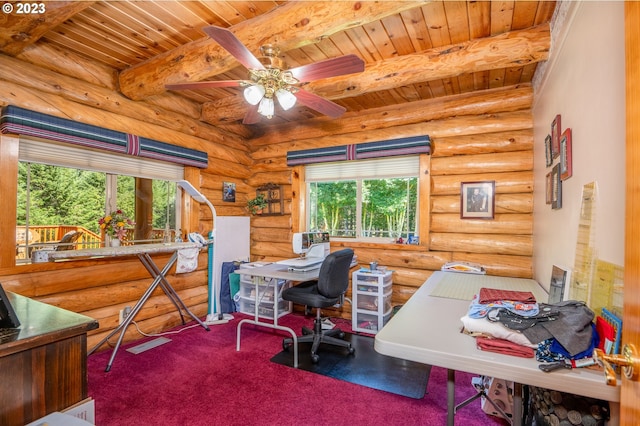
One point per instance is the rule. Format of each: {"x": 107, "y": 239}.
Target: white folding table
{"x": 427, "y": 329}
{"x": 274, "y": 272}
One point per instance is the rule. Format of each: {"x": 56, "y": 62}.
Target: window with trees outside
{"x": 64, "y": 189}
{"x": 368, "y": 200}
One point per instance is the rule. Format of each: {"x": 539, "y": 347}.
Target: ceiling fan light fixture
{"x": 254, "y": 93}
{"x": 266, "y": 107}
{"x": 286, "y": 99}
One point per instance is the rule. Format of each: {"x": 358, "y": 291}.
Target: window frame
{"x": 422, "y": 163}
{"x": 9, "y": 160}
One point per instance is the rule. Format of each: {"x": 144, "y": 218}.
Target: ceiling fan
{"x": 269, "y": 78}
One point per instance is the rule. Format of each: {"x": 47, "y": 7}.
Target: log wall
{"x": 71, "y": 87}
{"x": 493, "y": 143}
{"x": 475, "y": 137}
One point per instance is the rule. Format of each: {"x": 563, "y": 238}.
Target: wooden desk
{"x": 44, "y": 369}
{"x": 143, "y": 252}
{"x": 427, "y": 330}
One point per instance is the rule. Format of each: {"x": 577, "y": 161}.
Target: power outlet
{"x": 124, "y": 313}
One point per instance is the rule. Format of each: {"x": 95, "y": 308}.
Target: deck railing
{"x": 47, "y": 237}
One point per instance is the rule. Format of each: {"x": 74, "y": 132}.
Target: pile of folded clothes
{"x": 514, "y": 323}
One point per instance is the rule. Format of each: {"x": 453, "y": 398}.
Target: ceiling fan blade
{"x": 341, "y": 65}
{"x": 252, "y": 116}
{"x": 319, "y": 103}
{"x": 196, "y": 85}
{"x": 231, "y": 44}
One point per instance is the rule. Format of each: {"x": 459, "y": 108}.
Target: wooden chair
{"x": 68, "y": 241}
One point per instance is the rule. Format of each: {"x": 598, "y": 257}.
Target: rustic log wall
{"x": 75, "y": 88}
{"x": 492, "y": 141}
{"x": 475, "y": 136}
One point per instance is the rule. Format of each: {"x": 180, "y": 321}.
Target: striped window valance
{"x": 20, "y": 121}
{"x": 388, "y": 148}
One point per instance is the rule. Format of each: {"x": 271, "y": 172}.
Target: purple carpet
{"x": 198, "y": 378}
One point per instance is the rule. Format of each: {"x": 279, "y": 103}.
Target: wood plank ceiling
{"x": 413, "y": 50}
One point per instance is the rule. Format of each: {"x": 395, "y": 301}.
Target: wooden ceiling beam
{"x": 491, "y": 101}
{"x": 516, "y": 48}
{"x": 502, "y": 51}
{"x": 290, "y": 26}
{"x": 23, "y": 27}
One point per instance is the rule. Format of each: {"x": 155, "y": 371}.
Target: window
{"x": 369, "y": 200}
{"x": 64, "y": 188}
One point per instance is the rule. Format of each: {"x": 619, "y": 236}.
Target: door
{"x": 629, "y": 408}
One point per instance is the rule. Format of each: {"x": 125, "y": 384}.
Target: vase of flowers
{"x": 115, "y": 225}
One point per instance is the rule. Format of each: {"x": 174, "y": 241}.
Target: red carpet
{"x": 200, "y": 379}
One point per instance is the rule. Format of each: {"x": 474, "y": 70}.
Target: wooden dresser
{"x": 43, "y": 368}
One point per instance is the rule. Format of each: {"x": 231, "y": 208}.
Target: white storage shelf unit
{"x": 371, "y": 293}
{"x": 266, "y": 288}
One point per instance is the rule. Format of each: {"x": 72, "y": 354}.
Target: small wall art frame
{"x": 477, "y": 199}
{"x": 272, "y": 193}
{"x": 548, "y": 152}
{"x": 556, "y": 129}
{"x": 229, "y": 192}
{"x": 566, "y": 158}
{"x": 556, "y": 188}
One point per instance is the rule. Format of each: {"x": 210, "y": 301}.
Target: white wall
{"x": 584, "y": 82}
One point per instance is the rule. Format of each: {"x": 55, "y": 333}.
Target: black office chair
{"x": 328, "y": 290}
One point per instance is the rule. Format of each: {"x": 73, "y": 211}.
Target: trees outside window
{"x": 62, "y": 198}
{"x": 367, "y": 209}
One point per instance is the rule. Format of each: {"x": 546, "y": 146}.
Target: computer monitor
{"x": 311, "y": 243}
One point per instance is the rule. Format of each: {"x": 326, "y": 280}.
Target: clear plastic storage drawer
{"x": 371, "y": 302}
{"x": 265, "y": 310}
{"x": 265, "y": 289}
{"x": 367, "y": 322}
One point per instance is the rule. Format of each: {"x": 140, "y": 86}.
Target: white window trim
{"x": 379, "y": 168}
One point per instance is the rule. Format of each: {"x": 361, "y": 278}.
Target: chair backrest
{"x": 67, "y": 239}
{"x": 333, "y": 279}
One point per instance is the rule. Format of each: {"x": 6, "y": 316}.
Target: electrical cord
{"x": 111, "y": 344}
{"x": 166, "y": 333}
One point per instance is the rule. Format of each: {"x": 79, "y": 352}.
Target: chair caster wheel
{"x": 341, "y": 335}
{"x": 286, "y": 345}
{"x": 352, "y": 350}
{"x": 315, "y": 358}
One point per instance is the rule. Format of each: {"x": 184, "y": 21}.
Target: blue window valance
{"x": 388, "y": 148}
{"x": 30, "y": 123}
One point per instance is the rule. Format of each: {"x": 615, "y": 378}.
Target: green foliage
{"x": 64, "y": 196}
{"x": 61, "y": 196}
{"x": 388, "y": 207}
{"x": 164, "y": 204}
{"x": 334, "y": 207}
{"x": 255, "y": 205}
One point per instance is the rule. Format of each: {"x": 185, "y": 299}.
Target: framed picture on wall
{"x": 566, "y": 160}
{"x": 547, "y": 150}
{"x": 555, "y": 136}
{"x": 229, "y": 192}
{"x": 549, "y": 188}
{"x": 477, "y": 200}
{"x": 556, "y": 188}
